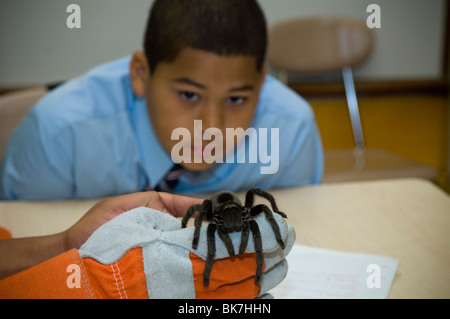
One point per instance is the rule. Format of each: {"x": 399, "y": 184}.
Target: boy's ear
{"x": 139, "y": 73}
{"x": 262, "y": 74}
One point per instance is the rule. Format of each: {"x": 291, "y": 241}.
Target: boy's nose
{"x": 212, "y": 117}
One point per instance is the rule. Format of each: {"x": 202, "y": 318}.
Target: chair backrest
{"x": 318, "y": 44}
{"x": 13, "y": 107}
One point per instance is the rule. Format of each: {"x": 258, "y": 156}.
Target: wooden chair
{"x": 317, "y": 45}
{"x": 13, "y": 107}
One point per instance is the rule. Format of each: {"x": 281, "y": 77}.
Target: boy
{"x": 110, "y": 131}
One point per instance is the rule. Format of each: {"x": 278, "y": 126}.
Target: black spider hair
{"x": 223, "y": 27}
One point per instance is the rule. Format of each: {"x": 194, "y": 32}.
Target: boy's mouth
{"x": 205, "y": 152}
{"x": 197, "y": 149}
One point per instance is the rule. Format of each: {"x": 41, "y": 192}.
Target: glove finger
{"x": 272, "y": 258}
{"x": 273, "y": 276}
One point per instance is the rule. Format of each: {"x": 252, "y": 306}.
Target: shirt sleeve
{"x": 300, "y": 146}
{"x": 31, "y": 167}
{"x": 302, "y": 155}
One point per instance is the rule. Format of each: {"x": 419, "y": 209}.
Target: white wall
{"x": 37, "y": 47}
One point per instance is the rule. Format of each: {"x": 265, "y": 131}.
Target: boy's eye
{"x": 189, "y": 96}
{"x": 236, "y": 100}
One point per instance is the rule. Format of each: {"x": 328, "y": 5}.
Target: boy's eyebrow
{"x": 185, "y": 80}
{"x": 245, "y": 87}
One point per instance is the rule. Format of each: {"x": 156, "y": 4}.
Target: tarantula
{"x": 225, "y": 213}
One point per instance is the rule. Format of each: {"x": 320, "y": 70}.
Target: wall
{"x": 37, "y": 47}
{"x": 414, "y": 127}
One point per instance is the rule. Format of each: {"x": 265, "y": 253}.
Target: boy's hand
{"x": 108, "y": 208}
{"x": 17, "y": 254}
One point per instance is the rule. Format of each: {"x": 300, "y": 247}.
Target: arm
{"x": 303, "y": 160}
{"x": 22, "y": 253}
{"x": 32, "y": 157}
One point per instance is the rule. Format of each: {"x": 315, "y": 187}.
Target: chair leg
{"x": 354, "y": 117}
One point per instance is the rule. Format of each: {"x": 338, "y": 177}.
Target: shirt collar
{"x": 155, "y": 160}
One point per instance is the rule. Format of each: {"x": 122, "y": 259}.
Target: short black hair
{"x": 223, "y": 27}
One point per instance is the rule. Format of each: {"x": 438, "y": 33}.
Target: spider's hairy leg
{"x": 269, "y": 215}
{"x": 227, "y": 242}
{"x": 258, "y": 249}
{"x": 191, "y": 210}
{"x": 211, "y": 241}
{"x": 244, "y": 239}
{"x": 267, "y": 196}
{"x": 249, "y": 197}
{"x": 198, "y": 225}
{"x": 205, "y": 207}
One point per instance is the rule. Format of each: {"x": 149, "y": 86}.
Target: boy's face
{"x": 221, "y": 91}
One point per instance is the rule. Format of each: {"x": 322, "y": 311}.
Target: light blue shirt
{"x": 91, "y": 137}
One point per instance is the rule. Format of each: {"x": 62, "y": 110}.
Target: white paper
{"x": 321, "y": 273}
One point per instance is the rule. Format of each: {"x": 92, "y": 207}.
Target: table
{"x": 407, "y": 219}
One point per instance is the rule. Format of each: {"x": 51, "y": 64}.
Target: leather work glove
{"x": 144, "y": 253}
